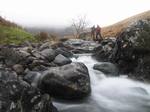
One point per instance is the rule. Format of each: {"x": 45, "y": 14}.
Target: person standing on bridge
{"x": 93, "y": 32}
{"x": 98, "y": 32}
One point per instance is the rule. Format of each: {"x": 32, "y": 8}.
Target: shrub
{"x": 144, "y": 42}
{"x": 1, "y": 33}
{"x": 148, "y": 19}
{"x": 42, "y": 36}
{"x": 53, "y": 35}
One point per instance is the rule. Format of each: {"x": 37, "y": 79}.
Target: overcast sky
{"x": 60, "y": 12}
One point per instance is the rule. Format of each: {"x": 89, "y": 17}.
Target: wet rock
{"x": 129, "y": 53}
{"x": 38, "y": 55}
{"x": 18, "y": 96}
{"x": 105, "y": 50}
{"x": 30, "y": 76}
{"x": 26, "y": 44}
{"x": 80, "y": 45}
{"x": 11, "y": 57}
{"x": 44, "y": 46}
{"x": 61, "y": 60}
{"x": 49, "y": 54}
{"x": 24, "y": 54}
{"x": 36, "y": 63}
{"x": 74, "y": 42}
{"x": 18, "y": 68}
{"x": 68, "y": 82}
{"x": 60, "y": 44}
{"x": 40, "y": 68}
{"x": 107, "y": 68}
{"x": 64, "y": 52}
{"x": 47, "y": 45}
{"x": 97, "y": 47}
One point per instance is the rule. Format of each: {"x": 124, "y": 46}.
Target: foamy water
{"x": 113, "y": 94}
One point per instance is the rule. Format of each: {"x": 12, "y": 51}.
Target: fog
{"x": 58, "y": 13}
{"x": 59, "y": 32}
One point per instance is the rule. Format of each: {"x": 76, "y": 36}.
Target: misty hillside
{"x": 114, "y": 29}
{"x": 59, "y": 32}
{"x": 13, "y": 33}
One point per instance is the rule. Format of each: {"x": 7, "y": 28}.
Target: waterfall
{"x": 109, "y": 94}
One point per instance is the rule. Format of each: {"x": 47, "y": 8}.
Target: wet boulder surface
{"x": 21, "y": 64}
{"x": 132, "y": 50}
{"x": 68, "y": 82}
{"x": 18, "y": 96}
{"x": 109, "y": 69}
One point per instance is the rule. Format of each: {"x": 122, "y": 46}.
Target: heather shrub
{"x": 1, "y": 33}
{"x": 53, "y": 35}
{"x": 143, "y": 45}
{"x": 42, "y": 36}
{"x": 148, "y": 19}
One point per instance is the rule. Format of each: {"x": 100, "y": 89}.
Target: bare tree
{"x": 78, "y": 25}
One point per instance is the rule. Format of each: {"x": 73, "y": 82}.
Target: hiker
{"x": 98, "y": 32}
{"x": 93, "y": 32}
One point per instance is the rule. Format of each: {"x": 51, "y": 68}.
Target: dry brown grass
{"x": 8, "y": 23}
{"x": 115, "y": 29}
{"x": 68, "y": 36}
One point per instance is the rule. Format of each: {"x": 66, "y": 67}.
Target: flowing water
{"x": 113, "y": 94}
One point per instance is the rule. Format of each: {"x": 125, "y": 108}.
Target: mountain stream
{"x": 109, "y": 94}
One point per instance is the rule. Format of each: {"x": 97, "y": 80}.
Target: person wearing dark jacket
{"x": 93, "y": 32}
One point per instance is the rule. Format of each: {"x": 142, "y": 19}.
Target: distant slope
{"x": 12, "y": 33}
{"x": 114, "y": 29}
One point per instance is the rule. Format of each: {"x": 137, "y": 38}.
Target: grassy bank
{"x": 14, "y": 35}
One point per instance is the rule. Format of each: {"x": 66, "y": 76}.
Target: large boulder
{"x": 11, "y": 57}
{"x": 18, "y": 96}
{"x": 132, "y": 50}
{"x": 107, "y": 68}
{"x": 105, "y": 50}
{"x": 80, "y": 45}
{"x": 69, "y": 81}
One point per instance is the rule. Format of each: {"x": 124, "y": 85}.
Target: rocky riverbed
{"x": 62, "y": 78}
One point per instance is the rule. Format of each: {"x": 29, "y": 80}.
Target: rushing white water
{"x": 113, "y": 94}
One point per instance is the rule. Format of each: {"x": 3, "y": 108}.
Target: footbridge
{"x": 65, "y": 39}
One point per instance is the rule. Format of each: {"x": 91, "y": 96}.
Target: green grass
{"x": 14, "y": 35}
{"x": 143, "y": 45}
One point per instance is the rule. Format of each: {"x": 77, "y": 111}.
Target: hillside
{"x": 12, "y": 33}
{"x": 114, "y": 29}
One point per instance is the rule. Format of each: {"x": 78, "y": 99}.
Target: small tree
{"x": 78, "y": 25}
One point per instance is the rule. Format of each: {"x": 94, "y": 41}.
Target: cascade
{"x": 109, "y": 94}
